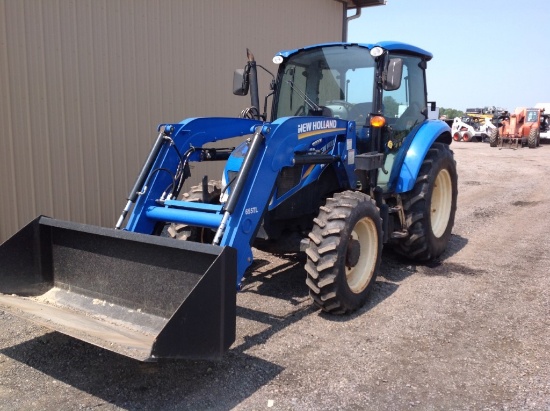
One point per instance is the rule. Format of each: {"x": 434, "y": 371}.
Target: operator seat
{"x": 323, "y": 112}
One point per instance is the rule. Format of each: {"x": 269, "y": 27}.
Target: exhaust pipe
{"x": 253, "y": 78}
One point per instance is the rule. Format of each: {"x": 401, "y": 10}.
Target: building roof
{"x": 352, "y": 4}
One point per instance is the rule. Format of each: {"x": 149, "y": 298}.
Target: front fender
{"x": 412, "y": 157}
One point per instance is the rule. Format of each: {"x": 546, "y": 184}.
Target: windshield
{"x": 532, "y": 116}
{"x": 338, "y": 81}
{"x": 337, "y": 78}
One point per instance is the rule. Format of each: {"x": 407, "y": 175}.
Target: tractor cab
{"x": 380, "y": 87}
{"x": 532, "y": 115}
{"x": 353, "y": 82}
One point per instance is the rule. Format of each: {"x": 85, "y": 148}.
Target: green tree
{"x": 450, "y": 112}
{"x": 391, "y": 108}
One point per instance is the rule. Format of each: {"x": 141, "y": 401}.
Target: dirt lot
{"x": 469, "y": 332}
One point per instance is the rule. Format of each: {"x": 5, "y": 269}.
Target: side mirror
{"x": 394, "y": 71}
{"x": 240, "y": 82}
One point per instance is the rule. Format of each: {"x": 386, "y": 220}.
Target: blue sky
{"x": 486, "y": 52}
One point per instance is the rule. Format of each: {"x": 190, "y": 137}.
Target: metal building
{"x": 83, "y": 84}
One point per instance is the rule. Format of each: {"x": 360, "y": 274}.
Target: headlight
{"x": 376, "y": 51}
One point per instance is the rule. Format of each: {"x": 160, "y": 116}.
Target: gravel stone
{"x": 470, "y": 331}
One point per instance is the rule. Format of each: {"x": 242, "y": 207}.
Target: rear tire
{"x": 493, "y": 137}
{"x": 532, "y": 141}
{"x": 456, "y": 136}
{"x": 191, "y": 233}
{"x": 430, "y": 206}
{"x": 344, "y": 253}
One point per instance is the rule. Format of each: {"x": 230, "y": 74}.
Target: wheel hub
{"x": 441, "y": 203}
{"x": 353, "y": 252}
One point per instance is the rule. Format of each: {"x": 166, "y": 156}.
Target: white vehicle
{"x": 471, "y": 128}
{"x": 544, "y": 121}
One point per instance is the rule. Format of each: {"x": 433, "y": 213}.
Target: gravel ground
{"x": 468, "y": 332}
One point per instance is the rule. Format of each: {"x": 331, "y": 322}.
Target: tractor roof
{"x": 394, "y": 46}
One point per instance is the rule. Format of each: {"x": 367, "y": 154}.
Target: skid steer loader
{"x": 336, "y": 167}
{"x": 472, "y": 128}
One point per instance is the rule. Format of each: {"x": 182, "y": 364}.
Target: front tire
{"x": 533, "y": 138}
{"x": 430, "y": 206}
{"x": 186, "y": 232}
{"x": 493, "y": 137}
{"x": 344, "y": 253}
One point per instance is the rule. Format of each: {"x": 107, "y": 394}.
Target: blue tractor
{"x": 347, "y": 162}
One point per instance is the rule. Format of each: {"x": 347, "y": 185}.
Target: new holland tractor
{"x": 338, "y": 171}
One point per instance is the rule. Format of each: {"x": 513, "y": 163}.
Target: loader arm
{"x": 283, "y": 143}
{"x": 188, "y": 135}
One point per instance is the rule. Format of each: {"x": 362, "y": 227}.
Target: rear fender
{"x": 411, "y": 155}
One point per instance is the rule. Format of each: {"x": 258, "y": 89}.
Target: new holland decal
{"x": 312, "y": 128}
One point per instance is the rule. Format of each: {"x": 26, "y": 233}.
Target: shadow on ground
{"x": 130, "y": 384}
{"x": 127, "y": 383}
{"x": 396, "y": 268}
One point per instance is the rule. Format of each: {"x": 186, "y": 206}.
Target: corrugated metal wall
{"x": 83, "y": 84}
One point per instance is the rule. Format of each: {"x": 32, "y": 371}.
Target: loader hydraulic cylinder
{"x": 255, "y": 146}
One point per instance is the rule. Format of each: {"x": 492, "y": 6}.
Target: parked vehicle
{"x": 472, "y": 128}
{"x": 335, "y": 167}
{"x": 518, "y": 129}
{"x": 544, "y": 121}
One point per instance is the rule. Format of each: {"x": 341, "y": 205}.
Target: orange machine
{"x": 520, "y": 128}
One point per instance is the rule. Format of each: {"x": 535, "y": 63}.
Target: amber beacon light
{"x": 377, "y": 121}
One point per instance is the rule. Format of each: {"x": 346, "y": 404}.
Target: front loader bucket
{"x": 142, "y": 296}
